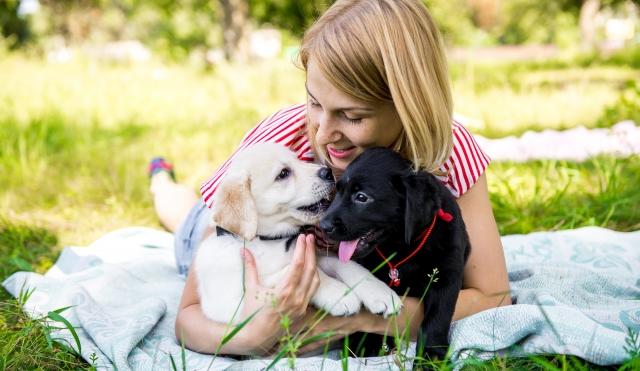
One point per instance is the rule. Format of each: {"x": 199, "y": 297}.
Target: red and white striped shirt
{"x": 287, "y": 127}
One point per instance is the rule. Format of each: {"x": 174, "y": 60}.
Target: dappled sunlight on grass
{"x": 554, "y": 195}
{"x": 510, "y": 100}
{"x": 156, "y": 95}
{"x": 538, "y": 108}
{"x": 77, "y": 137}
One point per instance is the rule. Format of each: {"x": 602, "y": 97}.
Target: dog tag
{"x": 395, "y": 277}
{"x": 385, "y": 348}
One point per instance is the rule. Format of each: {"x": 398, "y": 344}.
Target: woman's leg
{"x": 172, "y": 200}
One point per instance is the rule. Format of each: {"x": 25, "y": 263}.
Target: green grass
{"x": 24, "y": 341}
{"x": 75, "y": 140}
{"x": 554, "y": 195}
{"x": 511, "y": 100}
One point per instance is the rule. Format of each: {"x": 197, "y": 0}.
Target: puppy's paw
{"x": 378, "y": 298}
{"x": 347, "y": 305}
{"x": 337, "y": 299}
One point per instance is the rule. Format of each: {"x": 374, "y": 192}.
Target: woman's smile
{"x": 341, "y": 153}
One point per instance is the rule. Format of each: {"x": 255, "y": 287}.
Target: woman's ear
{"x": 234, "y": 208}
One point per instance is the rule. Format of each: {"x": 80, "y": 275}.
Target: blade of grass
{"x": 173, "y": 363}
{"x": 58, "y": 318}
{"x": 238, "y": 327}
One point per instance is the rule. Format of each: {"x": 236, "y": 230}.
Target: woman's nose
{"x": 327, "y": 132}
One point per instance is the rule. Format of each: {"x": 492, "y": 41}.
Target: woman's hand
{"x": 264, "y": 330}
{"x": 290, "y": 298}
{"x": 408, "y": 320}
{"x": 335, "y": 328}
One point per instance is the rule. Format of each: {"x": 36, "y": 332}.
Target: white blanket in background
{"x": 578, "y": 144}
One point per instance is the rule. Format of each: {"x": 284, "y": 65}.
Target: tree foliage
{"x": 292, "y": 15}
{"x": 177, "y": 27}
{"x": 12, "y": 27}
{"x": 171, "y": 27}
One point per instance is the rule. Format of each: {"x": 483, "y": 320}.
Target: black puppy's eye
{"x": 284, "y": 173}
{"x": 360, "y": 197}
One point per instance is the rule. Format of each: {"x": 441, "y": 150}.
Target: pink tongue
{"x": 346, "y": 250}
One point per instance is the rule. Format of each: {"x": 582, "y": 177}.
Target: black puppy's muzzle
{"x": 332, "y": 227}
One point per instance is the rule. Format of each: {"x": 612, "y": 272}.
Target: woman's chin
{"x": 338, "y": 165}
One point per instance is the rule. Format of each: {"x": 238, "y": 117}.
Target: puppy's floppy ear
{"x": 422, "y": 201}
{"x": 234, "y": 208}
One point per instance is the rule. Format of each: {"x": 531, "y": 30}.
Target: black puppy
{"x": 383, "y": 207}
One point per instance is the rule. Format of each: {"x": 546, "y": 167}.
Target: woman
{"x": 376, "y": 76}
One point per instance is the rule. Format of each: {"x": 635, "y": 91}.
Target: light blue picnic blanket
{"x": 577, "y": 292}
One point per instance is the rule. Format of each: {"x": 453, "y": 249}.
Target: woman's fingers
{"x": 310, "y": 278}
{"x": 307, "y": 285}
{"x": 320, "y": 343}
{"x": 258, "y": 295}
{"x": 251, "y": 277}
{"x": 298, "y": 261}
{"x": 333, "y": 328}
{"x": 305, "y": 322}
{"x": 296, "y": 290}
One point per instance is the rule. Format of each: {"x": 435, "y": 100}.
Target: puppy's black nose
{"x": 329, "y": 226}
{"x": 326, "y": 174}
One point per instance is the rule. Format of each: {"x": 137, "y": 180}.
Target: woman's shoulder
{"x": 466, "y": 163}
{"x": 286, "y": 127}
{"x": 287, "y": 116}
{"x": 280, "y": 127}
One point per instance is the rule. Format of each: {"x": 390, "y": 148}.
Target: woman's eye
{"x": 284, "y": 173}
{"x": 361, "y": 197}
{"x": 353, "y": 121}
{"x": 313, "y": 103}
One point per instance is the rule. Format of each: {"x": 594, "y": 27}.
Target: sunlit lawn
{"x": 76, "y": 137}
{"x": 75, "y": 140}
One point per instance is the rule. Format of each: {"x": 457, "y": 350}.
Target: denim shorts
{"x": 189, "y": 235}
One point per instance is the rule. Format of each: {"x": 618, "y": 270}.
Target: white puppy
{"x": 265, "y": 199}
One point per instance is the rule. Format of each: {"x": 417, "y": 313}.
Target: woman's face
{"x": 344, "y": 127}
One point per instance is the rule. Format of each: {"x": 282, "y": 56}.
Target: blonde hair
{"x": 380, "y": 51}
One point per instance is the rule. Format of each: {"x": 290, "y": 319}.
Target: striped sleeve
{"x": 466, "y": 164}
{"x": 286, "y": 127}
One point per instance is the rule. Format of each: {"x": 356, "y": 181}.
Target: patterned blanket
{"x": 577, "y": 292}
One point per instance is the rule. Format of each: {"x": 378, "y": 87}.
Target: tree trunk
{"x": 588, "y": 12}
{"x": 235, "y": 29}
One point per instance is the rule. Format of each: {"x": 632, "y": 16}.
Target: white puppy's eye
{"x": 360, "y": 197}
{"x": 284, "y": 174}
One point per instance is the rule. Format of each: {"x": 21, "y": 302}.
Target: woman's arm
{"x": 202, "y": 335}
{"x": 486, "y": 284}
{"x": 408, "y": 320}
{"x": 292, "y": 296}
